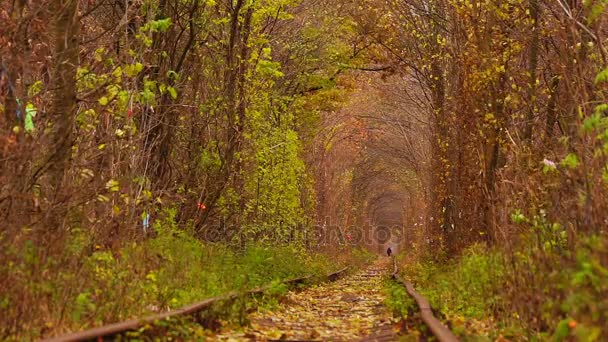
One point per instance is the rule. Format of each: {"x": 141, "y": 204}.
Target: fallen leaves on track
{"x": 349, "y": 309}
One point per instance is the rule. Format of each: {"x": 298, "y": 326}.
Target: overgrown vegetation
{"x": 398, "y": 300}
{"x": 161, "y": 273}
{"x": 568, "y": 299}
{"x": 455, "y": 288}
{"x": 466, "y": 292}
{"x": 477, "y": 293}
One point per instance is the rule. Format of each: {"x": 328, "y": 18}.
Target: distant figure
{"x": 389, "y": 251}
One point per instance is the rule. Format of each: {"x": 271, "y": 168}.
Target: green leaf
{"x": 602, "y": 76}
{"x": 596, "y": 11}
{"x": 570, "y": 161}
{"x": 172, "y": 75}
{"x": 591, "y": 122}
{"x": 117, "y": 73}
{"x": 601, "y": 108}
{"x": 83, "y": 303}
{"x": 561, "y": 331}
{"x": 99, "y": 54}
{"x": 30, "y": 113}
{"x": 161, "y": 25}
{"x": 113, "y": 185}
{"x": 134, "y": 69}
{"x": 172, "y": 92}
{"x": 587, "y": 333}
{"x": 517, "y": 217}
{"x": 34, "y": 89}
{"x": 104, "y": 101}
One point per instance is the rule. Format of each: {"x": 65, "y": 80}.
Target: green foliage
{"x": 570, "y": 161}
{"x": 454, "y": 288}
{"x": 465, "y": 291}
{"x": 398, "y": 300}
{"x": 34, "y": 89}
{"x": 602, "y": 76}
{"x": 517, "y": 217}
{"x": 593, "y": 122}
{"x": 597, "y": 8}
{"x": 160, "y": 25}
{"x": 541, "y": 233}
{"x": 585, "y": 285}
{"x": 30, "y": 113}
{"x": 574, "y": 305}
{"x": 473, "y": 288}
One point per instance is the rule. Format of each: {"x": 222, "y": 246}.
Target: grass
{"x": 464, "y": 292}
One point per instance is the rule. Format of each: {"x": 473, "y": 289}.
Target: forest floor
{"x": 349, "y": 309}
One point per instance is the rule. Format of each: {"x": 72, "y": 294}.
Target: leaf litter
{"x": 348, "y": 309}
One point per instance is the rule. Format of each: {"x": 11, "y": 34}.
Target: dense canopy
{"x": 148, "y": 144}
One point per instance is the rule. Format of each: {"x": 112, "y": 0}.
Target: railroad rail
{"x": 440, "y": 331}
{"x": 98, "y": 333}
{"x": 337, "y": 274}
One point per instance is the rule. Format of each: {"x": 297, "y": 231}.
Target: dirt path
{"x": 349, "y": 309}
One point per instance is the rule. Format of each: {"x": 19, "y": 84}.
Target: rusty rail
{"x": 336, "y": 275}
{"x": 134, "y": 324}
{"x": 440, "y": 331}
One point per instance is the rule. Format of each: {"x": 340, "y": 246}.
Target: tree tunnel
{"x": 371, "y": 167}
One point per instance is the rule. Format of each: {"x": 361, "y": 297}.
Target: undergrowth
{"x": 486, "y": 294}
{"x": 403, "y": 307}
{"x": 572, "y": 285}
{"x": 464, "y": 292}
{"x": 89, "y": 285}
{"x": 398, "y": 300}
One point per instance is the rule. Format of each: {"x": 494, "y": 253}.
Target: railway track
{"x": 112, "y": 330}
{"x": 346, "y": 303}
{"x": 437, "y": 328}
{"x": 349, "y": 309}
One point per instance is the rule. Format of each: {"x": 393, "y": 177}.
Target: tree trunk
{"x": 532, "y": 64}
{"x": 234, "y": 93}
{"x": 63, "y": 106}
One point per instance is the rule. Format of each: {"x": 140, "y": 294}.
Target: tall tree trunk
{"x": 161, "y": 136}
{"x": 234, "y": 93}
{"x": 438, "y": 85}
{"x": 63, "y": 84}
{"x": 63, "y": 106}
{"x": 10, "y": 103}
{"x": 492, "y": 163}
{"x": 552, "y": 108}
